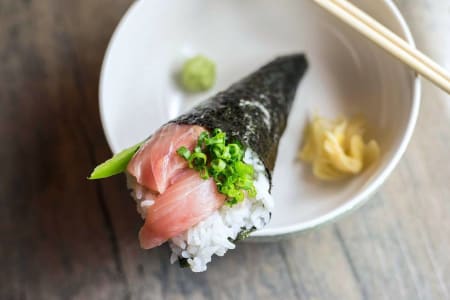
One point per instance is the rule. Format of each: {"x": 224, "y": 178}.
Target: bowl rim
{"x": 354, "y": 202}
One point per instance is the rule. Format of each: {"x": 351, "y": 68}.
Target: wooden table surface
{"x": 62, "y": 237}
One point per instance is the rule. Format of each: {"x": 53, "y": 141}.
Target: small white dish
{"x": 348, "y": 75}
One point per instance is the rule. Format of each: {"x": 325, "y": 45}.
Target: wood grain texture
{"x": 62, "y": 237}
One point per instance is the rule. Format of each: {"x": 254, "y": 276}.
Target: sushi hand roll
{"x": 203, "y": 180}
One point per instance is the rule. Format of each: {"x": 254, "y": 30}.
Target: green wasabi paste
{"x": 198, "y": 74}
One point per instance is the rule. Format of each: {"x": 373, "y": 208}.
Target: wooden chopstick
{"x": 387, "y": 40}
{"x": 356, "y": 12}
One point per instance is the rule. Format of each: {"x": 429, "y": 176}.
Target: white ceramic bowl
{"x": 348, "y": 75}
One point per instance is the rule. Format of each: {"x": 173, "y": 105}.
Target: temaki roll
{"x": 203, "y": 180}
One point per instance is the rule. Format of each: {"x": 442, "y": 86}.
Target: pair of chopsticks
{"x": 387, "y": 40}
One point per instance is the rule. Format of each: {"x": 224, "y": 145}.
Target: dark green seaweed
{"x": 183, "y": 262}
{"x": 254, "y": 110}
{"x": 244, "y": 234}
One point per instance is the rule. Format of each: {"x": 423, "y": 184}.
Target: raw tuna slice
{"x": 188, "y": 201}
{"x": 157, "y": 161}
{"x": 180, "y": 197}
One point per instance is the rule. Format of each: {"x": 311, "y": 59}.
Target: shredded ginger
{"x": 336, "y": 148}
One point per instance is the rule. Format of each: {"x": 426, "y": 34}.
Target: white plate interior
{"x": 348, "y": 75}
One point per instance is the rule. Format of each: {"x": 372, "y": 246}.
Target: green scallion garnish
{"x": 184, "y": 152}
{"x": 214, "y": 157}
{"x": 115, "y": 165}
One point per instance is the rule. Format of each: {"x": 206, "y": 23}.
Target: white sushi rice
{"x": 214, "y": 235}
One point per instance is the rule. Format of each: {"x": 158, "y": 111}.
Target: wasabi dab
{"x": 198, "y": 74}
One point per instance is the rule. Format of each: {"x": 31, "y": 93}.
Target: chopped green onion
{"x": 184, "y": 152}
{"x": 197, "y": 160}
{"x": 217, "y": 138}
{"x": 213, "y": 157}
{"x": 198, "y": 149}
{"x": 204, "y": 173}
{"x": 218, "y": 165}
{"x": 235, "y": 151}
{"x": 243, "y": 168}
{"x": 201, "y": 139}
{"x": 252, "y": 192}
